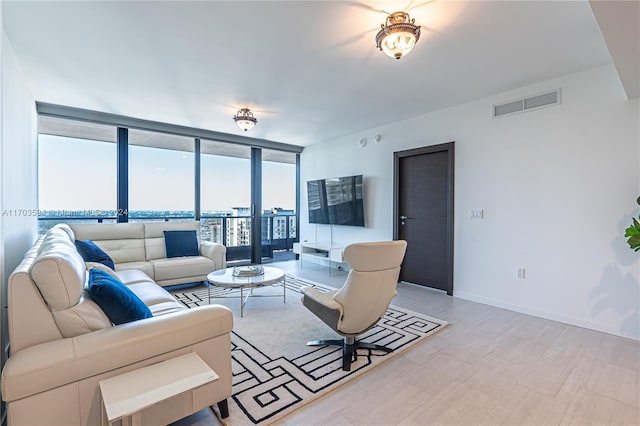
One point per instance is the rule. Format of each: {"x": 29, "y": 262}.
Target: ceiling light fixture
{"x": 244, "y": 119}
{"x": 398, "y": 35}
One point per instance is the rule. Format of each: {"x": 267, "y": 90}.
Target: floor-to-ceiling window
{"x": 76, "y": 172}
{"x": 225, "y": 199}
{"x": 161, "y": 183}
{"x": 279, "y": 198}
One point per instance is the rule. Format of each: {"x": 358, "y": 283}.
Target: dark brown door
{"x": 423, "y": 214}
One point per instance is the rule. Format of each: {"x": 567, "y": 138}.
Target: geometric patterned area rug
{"x": 274, "y": 371}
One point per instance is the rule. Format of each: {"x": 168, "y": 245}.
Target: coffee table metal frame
{"x": 224, "y": 278}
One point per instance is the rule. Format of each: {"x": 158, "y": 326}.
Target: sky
{"x": 77, "y": 174}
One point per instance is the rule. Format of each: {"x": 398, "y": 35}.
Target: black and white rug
{"x": 274, "y": 371}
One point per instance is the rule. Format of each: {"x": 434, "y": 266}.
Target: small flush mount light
{"x": 398, "y": 35}
{"x": 244, "y": 119}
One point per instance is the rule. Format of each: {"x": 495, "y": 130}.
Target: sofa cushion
{"x": 181, "y": 243}
{"x": 126, "y": 250}
{"x": 59, "y": 273}
{"x": 151, "y": 293}
{"x": 132, "y": 276}
{"x": 168, "y": 307}
{"x": 90, "y": 252}
{"x": 124, "y": 242}
{"x": 66, "y": 229}
{"x": 119, "y": 303}
{"x": 180, "y": 267}
{"x": 84, "y": 317}
{"x": 146, "y": 267}
{"x": 107, "y": 231}
{"x": 58, "y": 236}
{"x": 159, "y": 300}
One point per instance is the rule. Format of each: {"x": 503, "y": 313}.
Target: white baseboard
{"x": 579, "y": 322}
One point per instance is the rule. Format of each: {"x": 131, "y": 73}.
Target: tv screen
{"x": 336, "y": 201}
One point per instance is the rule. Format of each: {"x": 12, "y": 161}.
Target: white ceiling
{"x": 309, "y": 69}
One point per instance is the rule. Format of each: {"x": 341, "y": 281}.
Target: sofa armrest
{"x": 59, "y": 362}
{"x": 216, "y": 252}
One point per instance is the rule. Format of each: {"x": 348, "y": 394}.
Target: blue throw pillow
{"x": 119, "y": 303}
{"x": 90, "y": 252}
{"x": 181, "y": 243}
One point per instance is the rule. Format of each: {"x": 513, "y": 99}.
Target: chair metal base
{"x": 350, "y": 348}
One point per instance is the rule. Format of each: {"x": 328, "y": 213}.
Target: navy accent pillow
{"x": 90, "y": 252}
{"x": 181, "y": 243}
{"x": 120, "y": 304}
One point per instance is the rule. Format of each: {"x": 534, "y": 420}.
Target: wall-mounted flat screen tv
{"x": 336, "y": 201}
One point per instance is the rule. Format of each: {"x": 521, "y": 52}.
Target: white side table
{"x": 124, "y": 397}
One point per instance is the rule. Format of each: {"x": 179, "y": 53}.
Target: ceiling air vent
{"x": 526, "y": 104}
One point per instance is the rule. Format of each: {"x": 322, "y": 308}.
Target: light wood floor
{"x": 490, "y": 366}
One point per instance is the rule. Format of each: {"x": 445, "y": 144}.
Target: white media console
{"x": 330, "y": 255}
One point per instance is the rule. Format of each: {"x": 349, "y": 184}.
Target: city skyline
{"x": 112, "y": 213}
{"x": 230, "y": 230}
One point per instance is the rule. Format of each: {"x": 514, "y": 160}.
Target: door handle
{"x": 404, "y": 217}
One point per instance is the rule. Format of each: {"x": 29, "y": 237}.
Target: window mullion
{"x": 122, "y": 212}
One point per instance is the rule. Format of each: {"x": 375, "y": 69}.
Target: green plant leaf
{"x": 633, "y": 232}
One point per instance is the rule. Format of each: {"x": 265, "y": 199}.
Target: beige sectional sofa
{"x": 141, "y": 246}
{"x": 62, "y": 343}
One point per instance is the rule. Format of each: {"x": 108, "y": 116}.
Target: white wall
{"x": 558, "y": 186}
{"x": 3, "y": 295}
{"x": 2, "y": 282}
{"x": 18, "y": 170}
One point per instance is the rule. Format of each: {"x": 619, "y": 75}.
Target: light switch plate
{"x": 521, "y": 273}
{"x": 476, "y": 214}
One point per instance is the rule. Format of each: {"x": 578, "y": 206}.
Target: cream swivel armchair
{"x": 362, "y": 300}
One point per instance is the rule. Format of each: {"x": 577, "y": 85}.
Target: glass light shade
{"x": 398, "y": 35}
{"x": 396, "y": 45}
{"x": 245, "y": 124}
{"x": 244, "y": 119}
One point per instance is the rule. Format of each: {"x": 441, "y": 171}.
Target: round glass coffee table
{"x": 224, "y": 278}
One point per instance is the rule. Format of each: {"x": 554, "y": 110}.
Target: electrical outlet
{"x": 521, "y": 273}
{"x": 476, "y": 214}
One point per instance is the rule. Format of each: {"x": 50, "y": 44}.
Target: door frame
{"x": 449, "y": 148}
